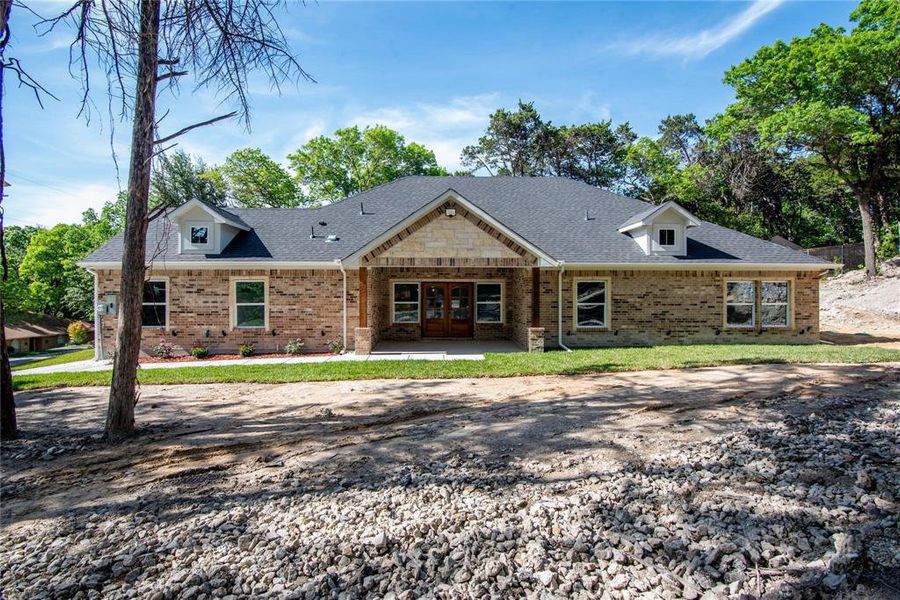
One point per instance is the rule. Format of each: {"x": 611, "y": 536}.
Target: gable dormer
{"x": 205, "y": 229}
{"x": 661, "y": 230}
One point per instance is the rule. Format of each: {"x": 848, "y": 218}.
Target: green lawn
{"x": 61, "y": 358}
{"x": 495, "y": 365}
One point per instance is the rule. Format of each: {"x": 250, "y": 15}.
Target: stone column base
{"x": 363, "y": 339}
{"x": 535, "y": 339}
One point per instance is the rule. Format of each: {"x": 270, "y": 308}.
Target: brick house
{"x": 544, "y": 262}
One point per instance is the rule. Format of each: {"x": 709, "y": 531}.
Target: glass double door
{"x": 448, "y": 310}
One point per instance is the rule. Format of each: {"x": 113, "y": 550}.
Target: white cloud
{"x": 704, "y": 42}
{"x": 444, "y": 128}
{"x": 53, "y": 202}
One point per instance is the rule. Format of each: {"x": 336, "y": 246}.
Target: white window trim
{"x": 789, "y": 304}
{"x": 394, "y": 321}
{"x": 674, "y": 243}
{"x": 726, "y": 304}
{"x": 233, "y": 302}
{"x": 166, "y": 303}
{"x": 606, "y": 307}
{"x": 210, "y": 236}
{"x": 191, "y": 229}
{"x": 475, "y": 302}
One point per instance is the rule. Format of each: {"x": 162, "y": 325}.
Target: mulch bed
{"x": 188, "y": 358}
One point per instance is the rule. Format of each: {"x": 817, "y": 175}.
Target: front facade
{"x": 540, "y": 261}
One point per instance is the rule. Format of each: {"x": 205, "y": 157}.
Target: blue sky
{"x": 434, "y": 71}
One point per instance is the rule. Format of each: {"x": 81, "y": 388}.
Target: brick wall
{"x": 304, "y": 304}
{"x": 647, "y": 307}
{"x": 674, "y": 307}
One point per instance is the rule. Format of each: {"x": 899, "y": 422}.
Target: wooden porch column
{"x": 535, "y": 297}
{"x": 363, "y": 297}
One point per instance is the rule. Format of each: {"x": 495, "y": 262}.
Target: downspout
{"x": 344, "y": 333}
{"x": 98, "y": 318}
{"x": 559, "y": 330}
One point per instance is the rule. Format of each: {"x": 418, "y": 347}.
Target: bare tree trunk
{"x": 8, "y": 428}
{"x": 868, "y": 224}
{"x": 123, "y": 392}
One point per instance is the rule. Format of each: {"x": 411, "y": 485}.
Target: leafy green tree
{"x": 253, "y": 180}
{"x": 56, "y": 284}
{"x": 510, "y": 146}
{"x": 354, "y": 159}
{"x": 16, "y": 295}
{"x": 521, "y": 143}
{"x": 835, "y": 95}
{"x": 179, "y": 177}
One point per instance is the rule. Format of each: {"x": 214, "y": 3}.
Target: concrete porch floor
{"x": 437, "y": 349}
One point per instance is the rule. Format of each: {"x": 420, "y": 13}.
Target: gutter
{"x": 98, "y": 333}
{"x": 344, "y": 296}
{"x": 559, "y": 330}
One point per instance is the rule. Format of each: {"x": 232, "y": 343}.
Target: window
{"x": 489, "y": 302}
{"x": 406, "y": 303}
{"x": 740, "y": 304}
{"x": 154, "y": 304}
{"x": 250, "y": 304}
{"x": 591, "y": 304}
{"x": 776, "y": 304}
{"x": 666, "y": 237}
{"x": 199, "y": 236}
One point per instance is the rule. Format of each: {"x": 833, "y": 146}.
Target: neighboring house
{"x": 30, "y": 332}
{"x": 541, "y": 261}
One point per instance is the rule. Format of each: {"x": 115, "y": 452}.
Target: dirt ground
{"x": 859, "y": 311}
{"x": 340, "y": 431}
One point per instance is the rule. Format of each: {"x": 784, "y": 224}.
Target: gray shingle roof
{"x": 547, "y": 212}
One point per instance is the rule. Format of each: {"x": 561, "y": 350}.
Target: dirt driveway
{"x": 238, "y": 444}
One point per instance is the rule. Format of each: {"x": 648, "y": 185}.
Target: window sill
{"x": 585, "y": 328}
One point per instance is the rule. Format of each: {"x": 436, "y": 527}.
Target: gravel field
{"x": 764, "y": 481}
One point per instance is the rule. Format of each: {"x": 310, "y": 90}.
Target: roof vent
{"x": 587, "y": 216}
{"x": 362, "y": 210}
{"x": 332, "y": 238}
{"x": 323, "y": 223}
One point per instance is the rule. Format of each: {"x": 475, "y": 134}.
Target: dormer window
{"x": 666, "y": 237}
{"x": 199, "y": 236}
{"x": 661, "y": 230}
{"x": 205, "y": 229}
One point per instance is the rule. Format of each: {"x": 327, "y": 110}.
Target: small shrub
{"x": 200, "y": 351}
{"x": 294, "y": 346}
{"x": 164, "y": 349}
{"x": 335, "y": 346}
{"x": 78, "y": 333}
{"x": 246, "y": 349}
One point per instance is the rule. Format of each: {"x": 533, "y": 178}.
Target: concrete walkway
{"x": 420, "y": 350}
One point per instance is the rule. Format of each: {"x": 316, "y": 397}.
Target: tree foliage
{"x": 520, "y": 142}
{"x": 836, "y": 95}
{"x": 179, "y": 177}
{"x": 253, "y": 180}
{"x": 354, "y": 159}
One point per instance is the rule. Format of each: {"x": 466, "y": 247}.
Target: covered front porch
{"x": 449, "y": 273}
{"x": 453, "y": 312}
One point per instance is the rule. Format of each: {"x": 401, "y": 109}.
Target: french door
{"x": 448, "y": 310}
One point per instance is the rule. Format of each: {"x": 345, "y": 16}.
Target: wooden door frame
{"x": 448, "y": 307}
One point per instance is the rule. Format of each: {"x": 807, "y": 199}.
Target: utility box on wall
{"x": 109, "y": 305}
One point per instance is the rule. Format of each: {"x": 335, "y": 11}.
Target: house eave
{"x": 183, "y": 265}
{"x": 704, "y": 266}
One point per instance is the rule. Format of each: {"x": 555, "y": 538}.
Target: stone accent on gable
{"x": 437, "y": 240}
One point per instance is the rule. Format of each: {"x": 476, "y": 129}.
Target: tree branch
{"x": 170, "y": 74}
{"x": 183, "y": 131}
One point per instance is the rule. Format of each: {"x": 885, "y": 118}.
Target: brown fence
{"x": 851, "y": 255}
